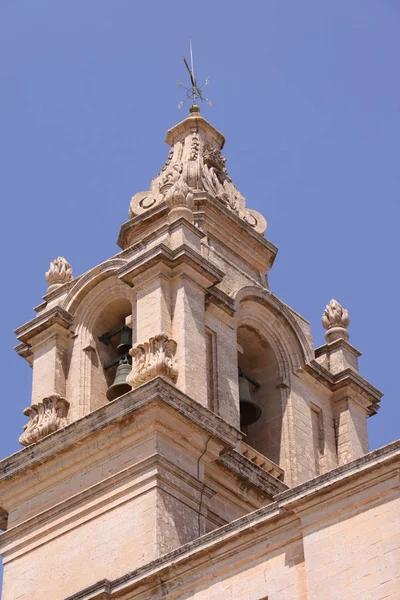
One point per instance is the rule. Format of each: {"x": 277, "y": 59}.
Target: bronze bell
{"x": 120, "y": 387}
{"x": 250, "y": 412}
{"x": 126, "y": 341}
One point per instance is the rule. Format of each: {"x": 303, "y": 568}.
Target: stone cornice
{"x": 340, "y": 343}
{"x": 220, "y": 299}
{"x": 25, "y": 351}
{"x": 139, "y": 223}
{"x": 184, "y": 255}
{"x": 346, "y": 379}
{"x": 256, "y": 475}
{"x": 196, "y": 122}
{"x": 171, "y": 565}
{"x": 74, "y": 433}
{"x": 56, "y": 315}
{"x": 155, "y": 470}
{"x": 204, "y": 201}
{"x": 343, "y": 474}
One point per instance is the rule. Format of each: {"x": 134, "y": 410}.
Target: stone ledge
{"x": 158, "y": 388}
{"x": 348, "y": 377}
{"x": 255, "y": 474}
{"x": 220, "y": 299}
{"x": 47, "y": 523}
{"x": 169, "y": 565}
{"x": 357, "y": 467}
{"x": 172, "y": 259}
{"x": 334, "y": 345}
{"x": 261, "y": 461}
{"x": 32, "y": 328}
{"x": 124, "y": 240}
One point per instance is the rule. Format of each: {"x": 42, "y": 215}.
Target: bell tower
{"x": 172, "y": 391}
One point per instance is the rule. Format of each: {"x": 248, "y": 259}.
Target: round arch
{"x": 263, "y": 312}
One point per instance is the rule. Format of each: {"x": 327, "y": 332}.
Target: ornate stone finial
{"x": 45, "y": 417}
{"x": 335, "y": 320}
{"x": 179, "y": 199}
{"x": 195, "y": 160}
{"x": 153, "y": 358}
{"x": 60, "y": 272}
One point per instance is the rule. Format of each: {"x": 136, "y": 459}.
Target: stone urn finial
{"x": 336, "y": 321}
{"x": 60, "y": 272}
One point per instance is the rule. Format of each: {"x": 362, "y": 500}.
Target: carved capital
{"x": 45, "y": 417}
{"x": 153, "y": 358}
{"x": 60, "y": 272}
{"x": 335, "y": 320}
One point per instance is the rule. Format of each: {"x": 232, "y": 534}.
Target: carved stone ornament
{"x": 179, "y": 195}
{"x": 153, "y": 358}
{"x": 60, "y": 272}
{"x": 195, "y": 161}
{"x": 335, "y": 320}
{"x": 45, "y": 417}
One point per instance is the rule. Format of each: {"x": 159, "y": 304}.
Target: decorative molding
{"x": 158, "y": 390}
{"x": 246, "y": 530}
{"x": 60, "y": 272}
{"x": 54, "y": 316}
{"x": 179, "y": 195}
{"x": 336, "y": 321}
{"x": 195, "y": 164}
{"x": 151, "y": 359}
{"x": 45, "y": 417}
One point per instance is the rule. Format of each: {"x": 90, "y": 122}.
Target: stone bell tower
{"x": 172, "y": 392}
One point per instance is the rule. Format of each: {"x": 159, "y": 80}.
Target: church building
{"x": 185, "y": 440}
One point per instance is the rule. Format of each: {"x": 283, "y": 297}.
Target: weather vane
{"x": 194, "y": 91}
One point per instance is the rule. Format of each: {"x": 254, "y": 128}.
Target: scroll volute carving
{"x": 151, "y": 359}
{"x": 195, "y": 164}
{"x": 45, "y": 417}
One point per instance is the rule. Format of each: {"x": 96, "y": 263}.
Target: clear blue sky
{"x": 308, "y": 96}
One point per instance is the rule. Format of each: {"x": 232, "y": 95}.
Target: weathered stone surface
{"x": 158, "y": 493}
{"x": 45, "y": 418}
{"x": 60, "y": 272}
{"x": 313, "y": 540}
{"x": 336, "y": 321}
{"x": 151, "y": 359}
{"x": 194, "y": 164}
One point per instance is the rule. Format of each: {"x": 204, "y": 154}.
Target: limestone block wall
{"x": 81, "y": 555}
{"x": 305, "y": 397}
{"x": 189, "y": 331}
{"x": 224, "y": 356}
{"x": 351, "y": 429}
{"x": 352, "y": 544}
{"x": 336, "y": 538}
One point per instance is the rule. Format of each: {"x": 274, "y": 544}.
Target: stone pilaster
{"x": 48, "y": 338}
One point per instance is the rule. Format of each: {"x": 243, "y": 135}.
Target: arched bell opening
{"x": 112, "y": 334}
{"x": 260, "y": 398}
